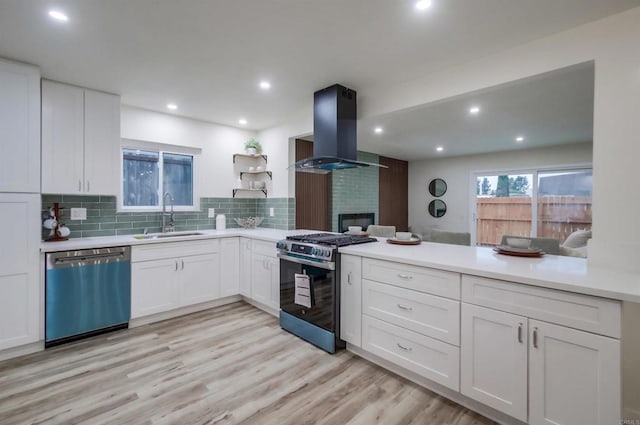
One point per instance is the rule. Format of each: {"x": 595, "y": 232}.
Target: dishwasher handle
{"x": 86, "y": 257}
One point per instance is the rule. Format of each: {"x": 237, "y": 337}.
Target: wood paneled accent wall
{"x": 394, "y": 194}
{"x": 312, "y": 194}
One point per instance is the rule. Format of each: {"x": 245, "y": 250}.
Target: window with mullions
{"x": 147, "y": 175}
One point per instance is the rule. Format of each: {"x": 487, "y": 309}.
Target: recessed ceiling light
{"x": 439, "y": 148}
{"x": 59, "y": 16}
{"x": 265, "y": 85}
{"x": 519, "y": 139}
{"x": 474, "y": 110}
{"x": 423, "y": 4}
{"x": 378, "y": 130}
{"x": 242, "y": 121}
{"x": 172, "y": 106}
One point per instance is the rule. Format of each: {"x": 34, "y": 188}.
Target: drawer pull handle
{"x": 176, "y": 265}
{"x": 404, "y": 307}
{"x": 520, "y": 333}
{"x": 535, "y": 337}
{"x": 349, "y": 279}
{"x": 182, "y": 264}
{"x": 402, "y": 347}
{"x": 405, "y": 276}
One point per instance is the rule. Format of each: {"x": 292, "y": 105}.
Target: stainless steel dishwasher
{"x": 87, "y": 292}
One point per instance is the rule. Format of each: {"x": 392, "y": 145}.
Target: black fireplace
{"x": 359, "y": 219}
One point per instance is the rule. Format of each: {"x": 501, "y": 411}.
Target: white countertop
{"x": 271, "y": 235}
{"x": 550, "y": 271}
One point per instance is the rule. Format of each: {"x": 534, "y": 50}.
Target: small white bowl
{"x": 355, "y": 229}
{"x": 403, "y": 236}
{"x": 519, "y": 243}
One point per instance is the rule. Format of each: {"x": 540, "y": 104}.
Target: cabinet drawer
{"x": 592, "y": 314}
{"x": 429, "y": 315}
{"x": 264, "y": 248}
{"x": 157, "y": 251}
{"x": 435, "y": 360}
{"x": 423, "y": 279}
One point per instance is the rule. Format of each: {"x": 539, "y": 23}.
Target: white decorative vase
{"x": 250, "y": 151}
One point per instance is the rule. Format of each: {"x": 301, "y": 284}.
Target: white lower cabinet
{"x": 574, "y": 376}
{"x": 229, "y": 267}
{"x": 245, "y": 267}
{"x": 199, "y": 278}
{"x": 351, "y": 299}
{"x": 161, "y": 284}
{"x": 19, "y": 277}
{"x": 493, "y": 359}
{"x": 265, "y": 274}
{"x": 433, "y": 359}
{"x": 154, "y": 287}
{"x": 571, "y": 377}
{"x": 265, "y": 280}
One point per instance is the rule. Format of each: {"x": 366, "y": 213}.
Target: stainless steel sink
{"x": 167, "y": 235}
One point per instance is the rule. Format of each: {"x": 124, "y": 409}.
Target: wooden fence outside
{"x": 558, "y": 216}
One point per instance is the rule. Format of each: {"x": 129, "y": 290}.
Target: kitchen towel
{"x": 303, "y": 290}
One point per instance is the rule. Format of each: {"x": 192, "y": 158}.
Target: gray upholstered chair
{"x": 382, "y": 231}
{"x": 454, "y": 238}
{"x": 548, "y": 245}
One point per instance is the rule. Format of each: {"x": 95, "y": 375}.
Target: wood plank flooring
{"x": 228, "y": 365}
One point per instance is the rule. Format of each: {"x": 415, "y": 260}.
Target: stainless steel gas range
{"x": 310, "y": 286}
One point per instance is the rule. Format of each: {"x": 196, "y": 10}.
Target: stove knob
{"x": 314, "y": 251}
{"x": 327, "y": 253}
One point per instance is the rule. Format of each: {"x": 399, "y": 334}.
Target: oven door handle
{"x": 323, "y": 265}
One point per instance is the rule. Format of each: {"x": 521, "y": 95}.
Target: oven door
{"x": 323, "y": 286}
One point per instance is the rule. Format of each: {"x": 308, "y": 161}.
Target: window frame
{"x": 161, "y": 149}
{"x": 534, "y": 172}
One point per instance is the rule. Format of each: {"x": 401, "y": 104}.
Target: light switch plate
{"x": 212, "y": 213}
{"x": 78, "y": 213}
{"x": 271, "y": 212}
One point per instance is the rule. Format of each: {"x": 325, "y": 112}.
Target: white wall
{"x": 281, "y": 139}
{"x": 456, "y": 172}
{"x": 215, "y": 175}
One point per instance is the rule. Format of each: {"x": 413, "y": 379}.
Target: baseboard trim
{"x": 21, "y": 350}
{"x": 140, "y": 321}
{"x": 441, "y": 390}
{"x": 272, "y": 311}
{"x": 630, "y": 414}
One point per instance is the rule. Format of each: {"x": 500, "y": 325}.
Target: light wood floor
{"x": 228, "y": 365}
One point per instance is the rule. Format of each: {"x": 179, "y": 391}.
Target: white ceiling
{"x": 549, "y": 109}
{"x": 209, "y": 55}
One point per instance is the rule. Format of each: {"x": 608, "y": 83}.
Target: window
{"x": 148, "y": 174}
{"x": 536, "y": 203}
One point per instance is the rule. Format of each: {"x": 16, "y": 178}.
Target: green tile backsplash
{"x": 355, "y": 190}
{"x": 104, "y": 220}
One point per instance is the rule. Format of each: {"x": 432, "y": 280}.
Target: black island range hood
{"x": 334, "y": 132}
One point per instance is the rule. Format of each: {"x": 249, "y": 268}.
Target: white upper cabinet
{"x": 80, "y": 140}
{"x": 19, "y": 128}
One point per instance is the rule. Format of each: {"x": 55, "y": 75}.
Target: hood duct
{"x": 334, "y": 132}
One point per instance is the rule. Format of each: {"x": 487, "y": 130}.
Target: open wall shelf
{"x": 244, "y": 155}
{"x": 249, "y": 190}
{"x": 257, "y": 172}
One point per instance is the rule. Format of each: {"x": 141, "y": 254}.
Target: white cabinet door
{"x": 351, "y": 299}
{"x": 19, "y": 128}
{"x": 101, "y": 143}
{"x": 574, "y": 377}
{"x": 260, "y": 279}
{"x": 229, "y": 267}
{"x": 20, "y": 316}
{"x": 274, "y": 274}
{"x": 199, "y": 278}
{"x": 245, "y": 267}
{"x": 154, "y": 286}
{"x": 62, "y": 138}
{"x": 493, "y": 359}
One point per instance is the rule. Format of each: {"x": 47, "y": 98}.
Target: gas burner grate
{"x": 331, "y": 239}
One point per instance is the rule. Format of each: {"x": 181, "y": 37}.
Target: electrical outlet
{"x": 271, "y": 212}
{"x": 212, "y": 213}
{"x": 78, "y": 213}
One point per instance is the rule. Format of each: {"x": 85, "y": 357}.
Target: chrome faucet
{"x": 167, "y": 227}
